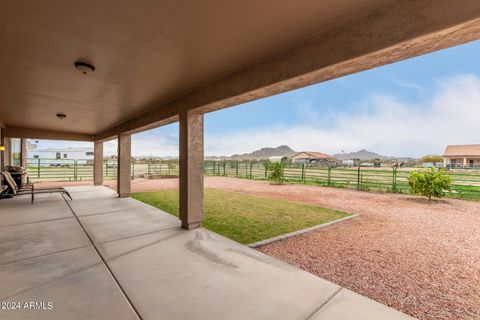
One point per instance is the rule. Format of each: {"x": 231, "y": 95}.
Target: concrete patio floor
{"x": 142, "y": 265}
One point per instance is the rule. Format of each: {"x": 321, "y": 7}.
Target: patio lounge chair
{"x": 30, "y": 189}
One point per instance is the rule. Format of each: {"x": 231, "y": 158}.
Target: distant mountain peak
{"x": 265, "y": 153}
{"x": 362, "y": 155}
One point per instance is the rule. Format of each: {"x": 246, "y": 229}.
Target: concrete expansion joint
{"x": 98, "y": 213}
{"x": 32, "y": 222}
{"x": 136, "y": 235}
{"x": 104, "y": 262}
{"x": 324, "y": 303}
{"x": 43, "y": 255}
{"x": 52, "y": 281}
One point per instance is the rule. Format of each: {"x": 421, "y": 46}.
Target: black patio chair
{"x": 30, "y": 189}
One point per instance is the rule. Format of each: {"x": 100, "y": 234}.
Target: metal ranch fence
{"x": 465, "y": 183}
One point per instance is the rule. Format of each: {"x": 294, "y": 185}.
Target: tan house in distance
{"x": 465, "y": 156}
{"x": 311, "y": 157}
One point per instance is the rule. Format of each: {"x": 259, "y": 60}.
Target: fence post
{"x": 132, "y": 163}
{"x": 236, "y": 169}
{"x": 224, "y": 168}
{"x": 266, "y": 169}
{"x": 329, "y": 177}
{"x": 75, "y": 170}
{"x": 38, "y": 168}
{"x": 148, "y": 169}
{"x": 394, "y": 179}
{"x": 358, "y": 178}
{"x": 282, "y": 166}
{"x": 303, "y": 172}
{"x": 250, "y": 170}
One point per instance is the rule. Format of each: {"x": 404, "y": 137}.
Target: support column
{"x": 2, "y": 153}
{"x": 191, "y": 169}
{"x": 123, "y": 165}
{"x": 23, "y": 150}
{"x": 98, "y": 163}
{"x": 7, "y": 154}
{"x": 464, "y": 162}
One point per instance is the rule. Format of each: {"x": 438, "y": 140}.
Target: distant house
{"x": 310, "y": 157}
{"x": 59, "y": 155}
{"x": 463, "y": 156}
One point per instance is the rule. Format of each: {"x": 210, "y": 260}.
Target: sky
{"x": 406, "y": 109}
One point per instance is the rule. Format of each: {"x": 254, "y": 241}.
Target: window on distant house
{"x": 58, "y": 155}
{"x": 89, "y": 153}
{"x": 65, "y": 156}
{"x": 35, "y": 156}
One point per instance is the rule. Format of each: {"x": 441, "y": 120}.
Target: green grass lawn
{"x": 246, "y": 218}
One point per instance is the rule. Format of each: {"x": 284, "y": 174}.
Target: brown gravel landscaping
{"x": 418, "y": 257}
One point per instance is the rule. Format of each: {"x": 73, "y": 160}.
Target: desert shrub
{"x": 275, "y": 172}
{"x": 429, "y": 183}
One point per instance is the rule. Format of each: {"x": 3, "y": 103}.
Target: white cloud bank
{"x": 386, "y": 126}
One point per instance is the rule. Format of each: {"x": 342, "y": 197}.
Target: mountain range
{"x": 286, "y": 151}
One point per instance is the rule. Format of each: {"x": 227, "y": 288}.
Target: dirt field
{"x": 420, "y": 258}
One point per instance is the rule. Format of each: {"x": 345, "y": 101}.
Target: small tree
{"x": 429, "y": 183}
{"x": 274, "y": 170}
{"x": 433, "y": 158}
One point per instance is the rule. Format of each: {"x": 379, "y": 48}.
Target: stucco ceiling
{"x": 145, "y": 52}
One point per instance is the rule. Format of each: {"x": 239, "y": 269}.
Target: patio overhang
{"x": 157, "y": 62}
{"x": 154, "y": 60}
{"x": 394, "y": 31}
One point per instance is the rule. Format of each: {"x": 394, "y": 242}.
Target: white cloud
{"x": 158, "y": 143}
{"x": 386, "y": 126}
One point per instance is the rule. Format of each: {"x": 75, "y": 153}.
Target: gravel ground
{"x": 418, "y": 257}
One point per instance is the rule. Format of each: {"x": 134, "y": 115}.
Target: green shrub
{"x": 429, "y": 183}
{"x": 275, "y": 172}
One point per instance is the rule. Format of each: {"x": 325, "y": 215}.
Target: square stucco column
{"x": 123, "y": 165}
{"x": 7, "y": 154}
{"x": 23, "y": 150}
{"x": 2, "y": 142}
{"x": 98, "y": 163}
{"x": 191, "y": 170}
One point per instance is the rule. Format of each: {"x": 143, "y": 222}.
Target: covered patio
{"x": 104, "y": 257}
{"x": 93, "y": 71}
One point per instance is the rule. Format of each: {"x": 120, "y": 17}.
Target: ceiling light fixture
{"x": 84, "y": 67}
{"x": 2, "y": 148}
{"x": 61, "y": 116}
